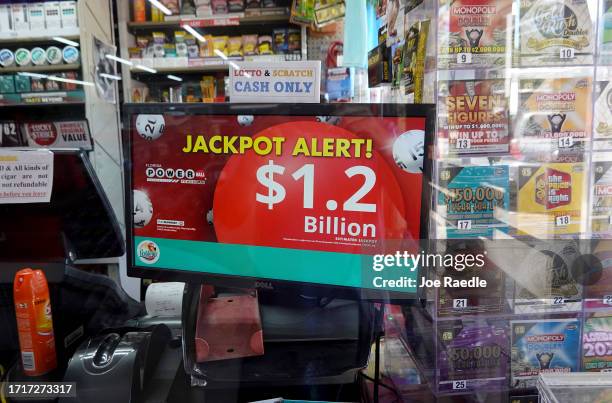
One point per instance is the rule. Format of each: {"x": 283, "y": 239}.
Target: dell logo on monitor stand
{"x": 264, "y": 284}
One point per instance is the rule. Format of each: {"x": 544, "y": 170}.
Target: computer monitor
{"x": 77, "y": 223}
{"x": 261, "y": 195}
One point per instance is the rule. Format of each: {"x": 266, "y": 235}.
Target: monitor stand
{"x": 304, "y": 342}
{"x": 227, "y": 326}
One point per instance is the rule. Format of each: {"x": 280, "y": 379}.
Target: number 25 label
{"x": 459, "y": 385}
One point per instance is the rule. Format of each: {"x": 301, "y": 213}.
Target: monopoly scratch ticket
{"x": 543, "y": 346}
{"x": 473, "y": 33}
{"x": 553, "y": 123}
{"x": 601, "y": 197}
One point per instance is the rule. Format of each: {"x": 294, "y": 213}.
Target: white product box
{"x": 36, "y": 16}
{"x": 68, "y": 11}
{"x": 53, "y": 18}
{"x": 6, "y": 25}
{"x": 19, "y": 17}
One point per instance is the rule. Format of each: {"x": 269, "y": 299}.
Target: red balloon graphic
{"x": 337, "y": 203}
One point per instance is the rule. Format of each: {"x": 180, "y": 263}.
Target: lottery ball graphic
{"x": 150, "y": 127}
{"x": 408, "y": 150}
{"x": 143, "y": 209}
{"x": 245, "y": 120}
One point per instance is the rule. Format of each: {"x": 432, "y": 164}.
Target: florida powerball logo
{"x": 148, "y": 252}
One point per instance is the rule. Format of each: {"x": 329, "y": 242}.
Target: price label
{"x": 298, "y": 198}
{"x": 607, "y": 300}
{"x": 277, "y": 192}
{"x": 566, "y": 142}
{"x": 463, "y": 144}
{"x": 558, "y": 301}
{"x": 464, "y": 58}
{"x": 459, "y": 385}
{"x": 562, "y": 221}
{"x": 8, "y": 129}
{"x": 460, "y": 303}
{"x": 464, "y": 224}
{"x": 567, "y": 53}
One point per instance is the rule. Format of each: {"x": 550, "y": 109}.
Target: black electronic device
{"x": 180, "y": 186}
{"x": 77, "y": 223}
{"x": 117, "y": 366}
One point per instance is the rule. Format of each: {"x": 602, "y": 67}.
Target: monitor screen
{"x": 77, "y": 223}
{"x": 266, "y": 194}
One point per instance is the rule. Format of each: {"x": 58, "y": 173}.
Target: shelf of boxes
{"x": 43, "y": 98}
{"x": 136, "y": 81}
{"x": 167, "y": 65}
{"x": 19, "y": 37}
{"x": 267, "y": 16}
{"x": 28, "y": 24}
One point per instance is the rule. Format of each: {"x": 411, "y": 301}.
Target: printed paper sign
{"x": 283, "y": 82}
{"x": 25, "y": 176}
{"x": 65, "y": 134}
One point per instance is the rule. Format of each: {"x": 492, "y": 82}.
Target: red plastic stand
{"x": 228, "y": 327}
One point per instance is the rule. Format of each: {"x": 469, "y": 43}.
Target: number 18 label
{"x": 562, "y": 221}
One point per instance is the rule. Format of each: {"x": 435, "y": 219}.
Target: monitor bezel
{"x": 426, "y": 111}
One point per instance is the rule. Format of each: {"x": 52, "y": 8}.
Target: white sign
{"x": 563, "y": 220}
{"x": 460, "y": 303}
{"x": 464, "y": 58}
{"x": 567, "y": 53}
{"x": 285, "y": 82}
{"x": 62, "y": 134}
{"x": 26, "y": 176}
